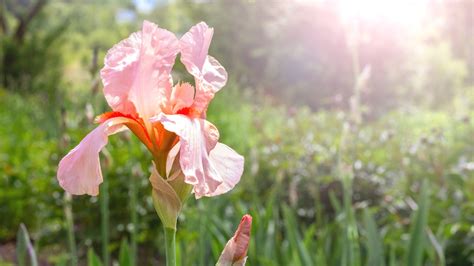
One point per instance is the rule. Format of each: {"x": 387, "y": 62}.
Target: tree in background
{"x": 301, "y": 52}
{"x": 31, "y": 54}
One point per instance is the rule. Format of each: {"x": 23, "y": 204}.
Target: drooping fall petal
{"x": 209, "y": 75}
{"x": 228, "y": 164}
{"x": 79, "y": 171}
{"x": 235, "y": 251}
{"x": 212, "y": 168}
{"x": 136, "y": 75}
{"x": 197, "y": 138}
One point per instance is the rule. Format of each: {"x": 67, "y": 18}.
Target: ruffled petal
{"x": 79, "y": 171}
{"x": 182, "y": 96}
{"x": 210, "y": 167}
{"x": 119, "y": 71}
{"x": 137, "y": 70}
{"x": 194, "y": 46}
{"x": 229, "y": 164}
{"x": 209, "y": 75}
{"x": 235, "y": 251}
{"x": 213, "y": 79}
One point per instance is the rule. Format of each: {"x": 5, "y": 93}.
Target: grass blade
{"x": 105, "y": 223}
{"x": 374, "y": 242}
{"x": 350, "y": 245}
{"x": 392, "y": 261}
{"x": 294, "y": 237}
{"x": 134, "y": 215}
{"x": 125, "y": 258}
{"x": 24, "y": 247}
{"x": 92, "y": 258}
{"x": 437, "y": 247}
{"x": 416, "y": 245}
{"x": 71, "y": 239}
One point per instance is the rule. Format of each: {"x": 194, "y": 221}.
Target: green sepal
{"x": 165, "y": 200}
{"x": 182, "y": 189}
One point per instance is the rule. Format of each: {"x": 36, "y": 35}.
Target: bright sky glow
{"x": 403, "y": 12}
{"x": 145, "y": 6}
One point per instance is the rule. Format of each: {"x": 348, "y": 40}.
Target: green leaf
{"x": 104, "y": 198}
{"x": 92, "y": 258}
{"x": 335, "y": 202}
{"x": 295, "y": 238}
{"x": 374, "y": 242}
{"x": 124, "y": 254}
{"x": 437, "y": 247}
{"x": 24, "y": 247}
{"x": 350, "y": 243}
{"x": 392, "y": 261}
{"x": 416, "y": 245}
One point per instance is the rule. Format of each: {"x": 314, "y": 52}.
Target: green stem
{"x": 170, "y": 239}
{"x": 70, "y": 228}
{"x": 104, "y": 212}
{"x": 134, "y": 218}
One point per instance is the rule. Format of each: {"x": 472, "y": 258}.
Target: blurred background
{"x": 356, "y": 119}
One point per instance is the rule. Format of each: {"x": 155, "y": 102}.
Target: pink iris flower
{"x": 139, "y": 89}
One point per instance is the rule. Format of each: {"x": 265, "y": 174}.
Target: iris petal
{"x": 208, "y": 73}
{"x": 235, "y": 251}
{"x": 211, "y": 167}
{"x": 136, "y": 75}
{"x": 79, "y": 171}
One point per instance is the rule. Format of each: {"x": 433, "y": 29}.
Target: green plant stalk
{"x": 134, "y": 218}
{"x": 437, "y": 247}
{"x": 416, "y": 245}
{"x": 170, "y": 247}
{"x": 70, "y": 228}
{"x": 105, "y": 224}
{"x": 67, "y": 200}
{"x": 375, "y": 256}
{"x": 352, "y": 249}
{"x": 350, "y": 245}
{"x": 24, "y": 248}
{"x": 295, "y": 238}
{"x": 202, "y": 233}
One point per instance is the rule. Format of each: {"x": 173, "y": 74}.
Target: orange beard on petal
{"x": 135, "y": 124}
{"x": 189, "y": 112}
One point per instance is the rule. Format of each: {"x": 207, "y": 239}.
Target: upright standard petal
{"x": 194, "y": 47}
{"x": 209, "y": 75}
{"x": 212, "y": 168}
{"x": 79, "y": 171}
{"x": 119, "y": 72}
{"x": 136, "y": 74}
{"x": 235, "y": 251}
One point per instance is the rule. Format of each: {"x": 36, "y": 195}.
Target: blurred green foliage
{"x": 285, "y": 109}
{"x": 291, "y": 159}
{"x": 31, "y": 49}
